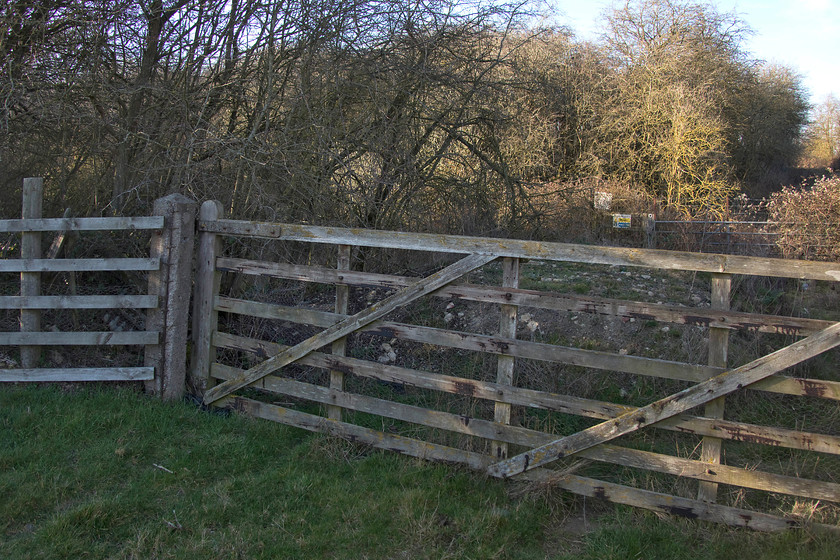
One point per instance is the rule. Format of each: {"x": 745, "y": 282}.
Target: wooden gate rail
{"x": 526, "y": 437}
{"x": 561, "y": 252}
{"x": 82, "y": 224}
{"x": 617, "y": 493}
{"x": 350, "y": 324}
{"x": 79, "y": 265}
{"x": 494, "y": 430}
{"x": 680, "y": 402}
{"x": 588, "y": 408}
{"x": 172, "y": 231}
{"x": 533, "y": 350}
{"x": 701, "y": 317}
{"x": 79, "y": 302}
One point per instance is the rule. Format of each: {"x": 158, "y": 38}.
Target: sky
{"x": 803, "y": 35}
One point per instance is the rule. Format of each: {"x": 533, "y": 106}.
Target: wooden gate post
{"x": 172, "y": 284}
{"x": 30, "y": 282}
{"x": 205, "y": 317}
{"x": 649, "y": 224}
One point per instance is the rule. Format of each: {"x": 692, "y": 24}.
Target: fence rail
{"x": 490, "y": 420}
{"x": 560, "y": 252}
{"x": 81, "y": 224}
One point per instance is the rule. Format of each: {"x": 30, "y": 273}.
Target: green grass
{"x": 101, "y": 472}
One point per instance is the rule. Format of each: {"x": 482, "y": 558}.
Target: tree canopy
{"x": 429, "y": 115}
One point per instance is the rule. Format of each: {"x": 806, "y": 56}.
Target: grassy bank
{"x": 109, "y": 473}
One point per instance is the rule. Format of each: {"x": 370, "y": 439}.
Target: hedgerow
{"x": 807, "y": 220}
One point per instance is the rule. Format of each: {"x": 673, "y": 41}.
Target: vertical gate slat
{"x": 505, "y": 368}
{"x": 718, "y": 354}
{"x": 342, "y": 297}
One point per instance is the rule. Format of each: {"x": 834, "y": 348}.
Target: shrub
{"x": 807, "y": 220}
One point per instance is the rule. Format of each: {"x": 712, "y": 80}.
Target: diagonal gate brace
{"x": 354, "y": 322}
{"x": 708, "y": 390}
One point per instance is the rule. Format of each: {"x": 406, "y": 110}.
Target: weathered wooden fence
{"x": 287, "y": 349}
{"x": 168, "y": 266}
{"x": 443, "y": 366}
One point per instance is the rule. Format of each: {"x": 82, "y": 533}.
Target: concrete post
{"x": 173, "y": 284}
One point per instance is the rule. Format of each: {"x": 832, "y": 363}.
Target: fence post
{"x": 205, "y": 317}
{"x": 30, "y": 282}
{"x": 505, "y": 367}
{"x": 649, "y": 223}
{"x": 172, "y": 284}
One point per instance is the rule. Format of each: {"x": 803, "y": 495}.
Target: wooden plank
{"x": 817, "y": 388}
{"x": 76, "y": 374}
{"x": 672, "y": 405}
{"x": 307, "y": 273}
{"x": 78, "y": 265}
{"x": 352, "y": 323}
{"x": 79, "y": 302}
{"x": 715, "y": 474}
{"x": 637, "y": 365}
{"x": 642, "y": 311}
{"x": 81, "y": 224}
{"x": 477, "y": 427}
{"x": 79, "y": 338}
{"x": 567, "y": 252}
{"x": 666, "y": 503}
{"x": 490, "y": 344}
{"x": 30, "y": 281}
{"x": 661, "y": 503}
{"x": 339, "y": 347}
{"x": 718, "y": 353}
{"x": 724, "y": 429}
{"x": 358, "y": 434}
{"x": 505, "y": 366}
{"x": 205, "y": 318}
{"x": 548, "y": 352}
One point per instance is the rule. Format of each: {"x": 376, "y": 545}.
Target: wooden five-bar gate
{"x": 274, "y": 350}
{"x": 408, "y": 362}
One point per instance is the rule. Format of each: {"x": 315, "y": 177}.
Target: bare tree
{"x": 822, "y": 147}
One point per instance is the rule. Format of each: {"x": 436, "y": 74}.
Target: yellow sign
{"x": 621, "y": 221}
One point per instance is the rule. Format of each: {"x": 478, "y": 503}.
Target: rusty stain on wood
{"x": 463, "y": 388}
{"x": 811, "y": 388}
